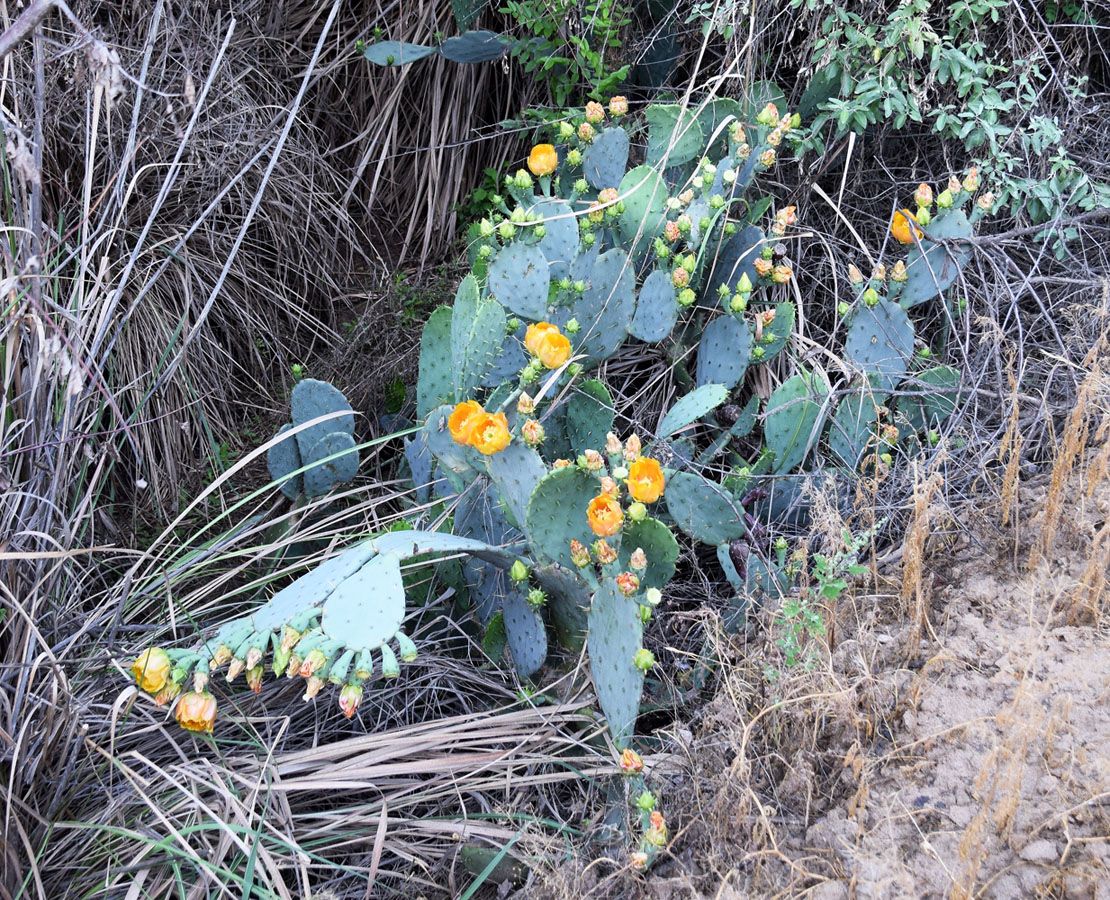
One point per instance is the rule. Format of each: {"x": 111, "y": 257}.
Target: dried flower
{"x": 350, "y": 696}
{"x": 631, "y": 763}
{"x": 579, "y": 554}
{"x": 618, "y": 106}
{"x": 595, "y": 112}
{"x": 532, "y": 432}
{"x": 604, "y": 552}
{"x": 923, "y": 196}
{"x": 628, "y": 583}
{"x": 638, "y": 560}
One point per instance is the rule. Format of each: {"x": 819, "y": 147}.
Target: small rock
{"x": 830, "y": 890}
{"x": 1042, "y": 851}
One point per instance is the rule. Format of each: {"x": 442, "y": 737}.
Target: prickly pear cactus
{"x": 321, "y": 454}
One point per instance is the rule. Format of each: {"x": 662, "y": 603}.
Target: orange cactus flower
{"x": 631, "y": 763}
{"x": 901, "y": 228}
{"x": 152, "y": 669}
{"x": 463, "y": 420}
{"x": 604, "y": 515}
{"x": 645, "y": 479}
{"x": 196, "y": 711}
{"x": 491, "y": 434}
{"x": 543, "y": 159}
{"x": 535, "y": 332}
{"x": 553, "y": 349}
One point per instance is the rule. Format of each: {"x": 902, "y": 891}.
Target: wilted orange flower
{"x": 628, "y": 583}
{"x": 645, "y": 479}
{"x": 604, "y": 515}
{"x": 196, "y": 711}
{"x": 463, "y": 419}
{"x": 900, "y": 226}
{"x": 543, "y": 159}
{"x": 349, "y": 699}
{"x": 631, "y": 763}
{"x": 152, "y": 669}
{"x": 763, "y": 267}
{"x": 491, "y": 434}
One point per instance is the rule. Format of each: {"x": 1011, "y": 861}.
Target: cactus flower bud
{"x": 890, "y": 435}
{"x": 560, "y": 464}
{"x": 646, "y": 801}
{"x": 523, "y": 181}
{"x": 716, "y": 201}
{"x": 525, "y": 405}
{"x": 739, "y": 303}
{"x": 485, "y": 251}
{"x": 954, "y": 185}
{"x": 986, "y": 202}
{"x": 588, "y": 240}
{"x": 280, "y": 661}
{"x": 795, "y": 121}
{"x": 898, "y": 272}
{"x": 350, "y": 696}
{"x": 519, "y": 216}
{"x": 684, "y": 223}
{"x": 870, "y": 297}
{"x": 579, "y": 554}
{"x": 842, "y": 309}
{"x": 879, "y": 273}
{"x": 736, "y": 132}
{"x": 595, "y": 113}
{"x": 628, "y": 583}
{"x": 536, "y": 598}
{"x": 703, "y": 223}
{"x": 924, "y": 352}
{"x": 945, "y": 199}
{"x": 506, "y": 230}
{"x": 609, "y": 487}
{"x": 923, "y": 196}
{"x": 744, "y": 285}
{"x": 638, "y": 560}
{"x": 855, "y": 275}
{"x": 686, "y": 297}
{"x": 654, "y": 596}
{"x": 767, "y": 158}
{"x": 788, "y": 215}
{"x": 743, "y": 151}
{"x": 532, "y": 432}
{"x": 768, "y": 116}
{"x": 168, "y": 694}
{"x": 312, "y": 687}
{"x": 618, "y": 106}
{"x": 566, "y": 131}
{"x": 763, "y": 267}
{"x": 518, "y": 572}
{"x": 313, "y": 662}
{"x": 638, "y": 859}
{"x": 604, "y": 552}
{"x": 728, "y": 176}
{"x": 971, "y": 181}
{"x": 671, "y": 231}
{"x": 594, "y": 462}
{"x": 758, "y": 353}
{"x": 698, "y": 182}
{"x": 656, "y": 834}
{"x": 586, "y": 133}
{"x": 934, "y": 438}
{"x": 686, "y": 197}
{"x": 778, "y": 229}
{"x": 924, "y": 217}
{"x": 644, "y": 659}
{"x": 254, "y": 678}
{"x": 574, "y": 158}
{"x": 632, "y": 448}
{"x": 540, "y": 231}
{"x": 781, "y": 274}
{"x": 581, "y": 186}
{"x": 612, "y": 444}
{"x": 680, "y": 277}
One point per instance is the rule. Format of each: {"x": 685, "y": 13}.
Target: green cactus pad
{"x": 560, "y": 241}
{"x": 557, "y": 513}
{"x": 323, "y": 476}
{"x": 673, "y": 135}
{"x": 656, "y": 309}
{"x": 480, "y": 517}
{"x": 421, "y": 462}
{"x": 520, "y": 279}
{"x": 283, "y": 458}
{"x": 853, "y": 424}
{"x": 780, "y": 330}
{"x": 605, "y": 159}
{"x": 474, "y": 47}
{"x": 606, "y": 307}
{"x": 792, "y": 412}
{"x": 410, "y": 543}
{"x": 516, "y": 471}
{"x": 660, "y": 546}
{"x": 615, "y": 635}
{"x": 312, "y": 399}
{"x": 879, "y": 343}
{"x": 526, "y": 634}
{"x": 936, "y": 397}
{"x": 367, "y": 608}
{"x": 697, "y": 211}
{"x": 645, "y": 196}
{"x": 436, "y": 380}
{"x": 703, "y": 510}
{"x": 932, "y": 273}
{"x": 311, "y": 589}
{"x": 692, "y": 407}
{"x": 724, "y": 351}
{"x": 396, "y": 53}
{"x": 589, "y": 417}
{"x": 568, "y": 602}
{"x": 736, "y": 257}
{"x": 713, "y": 115}
{"x": 724, "y": 558}
{"x": 742, "y": 427}
{"x": 477, "y": 334}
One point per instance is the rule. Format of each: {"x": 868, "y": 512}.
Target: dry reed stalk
{"x": 913, "y": 551}
{"x": 1009, "y": 450}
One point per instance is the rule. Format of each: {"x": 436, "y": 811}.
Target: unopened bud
{"x": 523, "y": 180}
{"x": 986, "y": 202}
{"x": 870, "y": 297}
{"x": 572, "y": 327}
{"x": 350, "y": 696}
{"x": 585, "y": 132}
{"x": 944, "y": 199}
{"x": 506, "y": 230}
{"x": 518, "y": 572}
{"x": 637, "y": 512}
{"x": 536, "y": 598}
{"x": 574, "y": 158}
{"x": 923, "y": 196}
{"x": 686, "y": 297}
{"x": 644, "y": 659}
{"x": 254, "y": 678}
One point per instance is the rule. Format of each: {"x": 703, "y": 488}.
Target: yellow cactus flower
{"x": 604, "y": 515}
{"x": 196, "y": 711}
{"x": 491, "y": 434}
{"x": 463, "y": 420}
{"x": 901, "y": 228}
{"x": 553, "y": 349}
{"x": 152, "y": 669}
{"x": 543, "y": 160}
{"x": 645, "y": 479}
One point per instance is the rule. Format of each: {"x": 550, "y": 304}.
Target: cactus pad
{"x": 644, "y": 194}
{"x": 934, "y": 397}
{"x": 853, "y": 424}
{"x": 724, "y": 351}
{"x": 615, "y": 636}
{"x": 557, "y": 513}
{"x": 568, "y": 602}
{"x": 589, "y": 417}
{"x": 367, "y": 608}
{"x": 322, "y": 476}
{"x": 312, "y": 399}
{"x": 516, "y": 471}
{"x": 660, "y": 546}
{"x": 519, "y": 278}
{"x": 606, "y": 307}
{"x": 692, "y": 407}
{"x": 656, "y": 310}
{"x": 477, "y": 334}
{"x": 525, "y": 632}
{"x": 703, "y": 510}
{"x": 283, "y": 458}
{"x": 560, "y": 240}
{"x": 780, "y": 331}
{"x": 459, "y": 459}
{"x": 933, "y": 272}
{"x": 792, "y": 412}
{"x": 879, "y": 343}
{"x": 396, "y": 53}
{"x": 421, "y": 462}
{"x": 736, "y": 257}
{"x": 474, "y": 47}
{"x": 673, "y": 135}
{"x": 435, "y": 382}
{"x": 605, "y": 159}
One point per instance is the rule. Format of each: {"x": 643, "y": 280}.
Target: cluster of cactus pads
{"x": 318, "y": 450}
{"x": 567, "y": 529}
